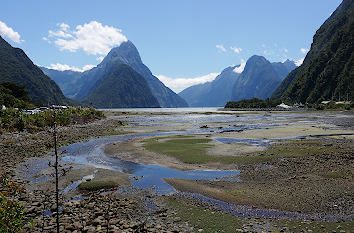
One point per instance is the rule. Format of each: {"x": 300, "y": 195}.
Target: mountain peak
{"x": 4, "y": 43}
{"x": 257, "y": 58}
{"x": 126, "y": 52}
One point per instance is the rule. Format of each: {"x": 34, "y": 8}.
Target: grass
{"x": 194, "y": 151}
{"x": 205, "y": 219}
{"x": 188, "y": 150}
{"x": 97, "y": 185}
{"x": 211, "y": 221}
{"x": 335, "y": 175}
{"x": 295, "y": 149}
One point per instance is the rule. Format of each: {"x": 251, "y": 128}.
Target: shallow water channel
{"x": 144, "y": 176}
{"x": 147, "y": 176}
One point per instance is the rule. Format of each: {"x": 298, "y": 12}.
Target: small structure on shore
{"x": 282, "y": 105}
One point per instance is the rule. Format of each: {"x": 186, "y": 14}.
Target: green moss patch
{"x": 194, "y": 151}
{"x": 205, "y": 219}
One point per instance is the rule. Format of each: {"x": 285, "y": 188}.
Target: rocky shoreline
{"x": 127, "y": 213}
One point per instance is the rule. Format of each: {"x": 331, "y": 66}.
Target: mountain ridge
{"x": 127, "y": 54}
{"x": 17, "y": 67}
{"x": 328, "y": 68}
{"x": 222, "y": 89}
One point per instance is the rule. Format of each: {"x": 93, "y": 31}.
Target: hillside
{"x": 121, "y": 87}
{"x": 259, "y": 79}
{"x": 67, "y": 80}
{"x": 328, "y": 69}
{"x": 17, "y": 68}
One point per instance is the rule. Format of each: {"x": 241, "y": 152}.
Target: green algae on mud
{"x": 205, "y": 219}
{"x": 187, "y": 150}
{"x": 194, "y": 151}
{"x": 214, "y": 221}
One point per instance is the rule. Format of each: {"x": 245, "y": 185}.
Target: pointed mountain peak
{"x": 4, "y": 43}
{"x": 126, "y": 52}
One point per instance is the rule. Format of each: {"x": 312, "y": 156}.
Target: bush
{"x": 12, "y": 213}
{"x": 14, "y": 120}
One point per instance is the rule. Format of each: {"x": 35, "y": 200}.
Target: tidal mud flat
{"x": 294, "y": 162}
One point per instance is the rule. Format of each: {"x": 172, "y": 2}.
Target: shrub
{"x": 14, "y": 120}
{"x": 12, "y": 213}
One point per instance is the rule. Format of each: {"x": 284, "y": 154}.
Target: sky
{"x": 184, "y": 42}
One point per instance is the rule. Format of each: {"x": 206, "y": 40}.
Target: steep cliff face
{"x": 328, "y": 69}
{"x": 17, "y": 68}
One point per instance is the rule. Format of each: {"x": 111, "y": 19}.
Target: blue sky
{"x": 176, "y": 39}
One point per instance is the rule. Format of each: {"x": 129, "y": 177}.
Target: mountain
{"x": 127, "y": 54}
{"x": 211, "y": 94}
{"x": 284, "y": 68}
{"x": 67, "y": 80}
{"x": 121, "y": 87}
{"x": 17, "y": 68}
{"x": 328, "y": 68}
{"x": 260, "y": 78}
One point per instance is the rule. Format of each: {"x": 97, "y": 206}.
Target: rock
{"x": 98, "y": 221}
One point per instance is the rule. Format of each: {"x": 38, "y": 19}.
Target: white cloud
{"x": 239, "y": 69}
{"x": 179, "y": 84}
{"x": 62, "y": 67}
{"x": 9, "y": 33}
{"x": 285, "y": 50}
{"x": 236, "y": 50}
{"x": 221, "y": 48}
{"x": 93, "y": 38}
{"x": 100, "y": 58}
{"x": 87, "y": 67}
{"x": 303, "y": 50}
{"x": 299, "y": 62}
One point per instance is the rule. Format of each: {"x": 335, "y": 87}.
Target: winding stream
{"x": 148, "y": 176}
